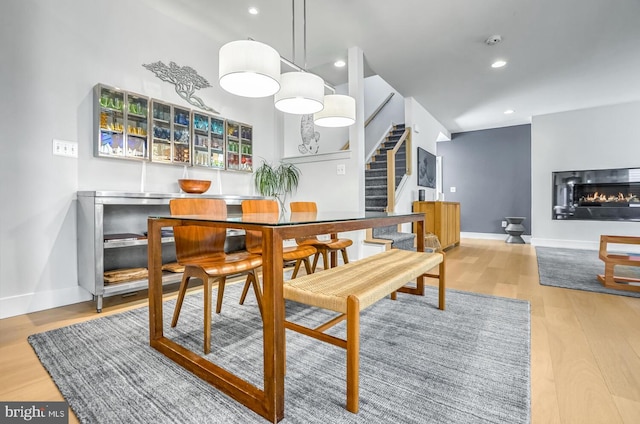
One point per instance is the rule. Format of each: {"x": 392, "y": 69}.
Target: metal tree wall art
{"x": 310, "y": 137}
{"x": 185, "y": 79}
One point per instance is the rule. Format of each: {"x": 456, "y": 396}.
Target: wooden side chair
{"x": 201, "y": 251}
{"x": 253, "y": 239}
{"x": 324, "y": 247}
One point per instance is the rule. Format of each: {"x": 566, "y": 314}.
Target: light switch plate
{"x": 452, "y": 189}
{"x": 65, "y": 148}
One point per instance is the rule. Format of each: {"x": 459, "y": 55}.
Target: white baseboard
{"x": 536, "y": 241}
{"x": 491, "y": 236}
{"x": 32, "y": 302}
{"x": 566, "y": 244}
{"x": 585, "y": 245}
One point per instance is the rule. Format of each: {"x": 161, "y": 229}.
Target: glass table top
{"x": 294, "y": 218}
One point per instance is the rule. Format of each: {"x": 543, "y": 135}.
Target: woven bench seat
{"x": 369, "y": 279}
{"x": 352, "y": 287}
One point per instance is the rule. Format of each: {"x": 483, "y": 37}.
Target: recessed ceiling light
{"x": 339, "y": 63}
{"x": 253, "y": 10}
{"x": 509, "y": 111}
{"x": 498, "y": 64}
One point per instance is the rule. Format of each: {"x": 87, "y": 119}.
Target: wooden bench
{"x": 350, "y": 288}
{"x": 609, "y": 279}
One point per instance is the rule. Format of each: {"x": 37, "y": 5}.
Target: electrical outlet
{"x": 452, "y": 189}
{"x": 504, "y": 224}
{"x": 341, "y": 170}
{"x": 65, "y": 148}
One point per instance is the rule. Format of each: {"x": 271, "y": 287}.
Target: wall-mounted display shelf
{"x": 209, "y": 141}
{"x": 121, "y": 122}
{"x": 171, "y": 133}
{"x": 239, "y": 146}
{"x": 132, "y": 126}
{"x": 112, "y": 241}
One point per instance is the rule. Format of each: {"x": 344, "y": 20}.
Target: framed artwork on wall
{"x": 426, "y": 169}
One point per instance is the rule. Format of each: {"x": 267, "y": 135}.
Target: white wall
{"x": 376, "y": 91}
{"x": 330, "y": 139}
{"x": 54, "y": 52}
{"x": 425, "y": 130}
{"x": 596, "y": 138}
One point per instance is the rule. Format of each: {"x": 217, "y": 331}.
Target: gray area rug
{"x": 578, "y": 269}
{"x": 468, "y": 364}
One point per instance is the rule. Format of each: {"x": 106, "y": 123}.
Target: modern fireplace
{"x": 602, "y": 194}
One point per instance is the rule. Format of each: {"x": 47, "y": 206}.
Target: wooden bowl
{"x": 194, "y": 186}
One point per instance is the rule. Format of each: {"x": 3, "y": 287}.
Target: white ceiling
{"x": 562, "y": 54}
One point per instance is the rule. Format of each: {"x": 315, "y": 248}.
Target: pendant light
{"x": 301, "y": 92}
{"x": 339, "y": 111}
{"x": 249, "y": 68}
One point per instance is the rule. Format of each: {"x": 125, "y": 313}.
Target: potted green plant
{"x": 277, "y": 181}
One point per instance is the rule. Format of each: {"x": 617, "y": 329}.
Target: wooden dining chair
{"x": 253, "y": 239}
{"x": 201, "y": 251}
{"x": 324, "y": 247}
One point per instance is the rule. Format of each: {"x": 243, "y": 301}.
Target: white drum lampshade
{"x": 249, "y": 68}
{"x": 339, "y": 111}
{"x": 300, "y": 93}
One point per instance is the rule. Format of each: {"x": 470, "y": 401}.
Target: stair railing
{"x": 378, "y": 109}
{"x": 405, "y": 140}
{"x": 372, "y": 116}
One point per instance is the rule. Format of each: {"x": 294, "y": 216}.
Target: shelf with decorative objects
{"x": 132, "y": 126}
{"x": 121, "y": 122}
{"x": 171, "y": 133}
{"x": 239, "y": 146}
{"x": 208, "y": 141}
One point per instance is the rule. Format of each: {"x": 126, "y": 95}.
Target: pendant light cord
{"x": 293, "y": 31}
{"x": 304, "y": 31}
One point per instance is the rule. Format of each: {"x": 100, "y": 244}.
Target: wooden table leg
{"x": 154, "y": 254}
{"x": 334, "y": 254}
{"x": 273, "y": 310}
{"x": 442, "y": 283}
{"x": 419, "y": 225}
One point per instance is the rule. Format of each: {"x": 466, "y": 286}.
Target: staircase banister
{"x": 391, "y": 167}
{"x": 372, "y": 116}
{"x": 406, "y": 136}
{"x": 378, "y": 109}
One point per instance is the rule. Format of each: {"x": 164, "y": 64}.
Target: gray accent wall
{"x": 491, "y": 172}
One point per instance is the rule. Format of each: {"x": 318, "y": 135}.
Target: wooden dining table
{"x": 269, "y": 401}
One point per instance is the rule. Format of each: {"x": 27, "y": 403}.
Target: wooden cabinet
{"x": 441, "y": 219}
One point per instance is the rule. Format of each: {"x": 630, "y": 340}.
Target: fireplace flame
{"x": 603, "y": 198}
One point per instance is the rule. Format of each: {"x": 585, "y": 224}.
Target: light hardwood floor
{"x": 585, "y": 347}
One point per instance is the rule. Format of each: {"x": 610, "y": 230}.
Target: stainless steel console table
{"x": 120, "y": 216}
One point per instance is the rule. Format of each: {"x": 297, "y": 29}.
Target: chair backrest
{"x": 304, "y": 208}
{"x": 194, "y": 241}
{"x": 253, "y": 239}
